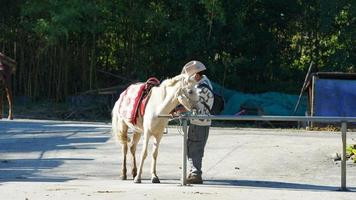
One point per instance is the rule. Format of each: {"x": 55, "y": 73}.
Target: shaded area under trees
{"x": 248, "y": 45}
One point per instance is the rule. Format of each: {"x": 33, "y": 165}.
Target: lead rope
{"x": 180, "y": 127}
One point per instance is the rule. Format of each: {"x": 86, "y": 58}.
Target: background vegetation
{"x": 248, "y": 45}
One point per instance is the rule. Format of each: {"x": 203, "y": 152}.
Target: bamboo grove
{"x": 248, "y": 45}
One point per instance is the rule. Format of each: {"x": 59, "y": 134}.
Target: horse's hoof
{"x": 137, "y": 180}
{"x": 155, "y": 180}
{"x": 123, "y": 177}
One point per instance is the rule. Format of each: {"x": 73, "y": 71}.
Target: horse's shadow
{"x": 274, "y": 185}
{"x": 29, "y": 170}
{"x": 25, "y": 146}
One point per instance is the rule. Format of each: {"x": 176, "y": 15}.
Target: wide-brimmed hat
{"x": 193, "y": 67}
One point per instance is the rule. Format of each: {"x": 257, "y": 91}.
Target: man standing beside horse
{"x": 198, "y": 131}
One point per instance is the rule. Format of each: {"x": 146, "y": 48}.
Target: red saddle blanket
{"x": 129, "y": 101}
{"x": 134, "y": 100}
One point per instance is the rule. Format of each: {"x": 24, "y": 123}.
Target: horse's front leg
{"x": 135, "y": 139}
{"x": 156, "y": 143}
{"x": 143, "y": 156}
{"x": 10, "y": 101}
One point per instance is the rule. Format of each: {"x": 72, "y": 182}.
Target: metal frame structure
{"x": 342, "y": 120}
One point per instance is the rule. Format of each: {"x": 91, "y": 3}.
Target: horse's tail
{"x": 118, "y": 130}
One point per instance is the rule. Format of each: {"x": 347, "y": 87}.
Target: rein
{"x": 185, "y": 94}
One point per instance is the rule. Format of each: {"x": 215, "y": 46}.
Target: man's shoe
{"x": 194, "y": 179}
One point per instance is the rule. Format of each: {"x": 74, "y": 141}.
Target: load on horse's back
{"x": 142, "y": 118}
{"x": 7, "y": 68}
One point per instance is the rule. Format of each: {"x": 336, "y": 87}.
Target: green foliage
{"x": 248, "y": 45}
{"x": 351, "y": 151}
{"x": 55, "y": 21}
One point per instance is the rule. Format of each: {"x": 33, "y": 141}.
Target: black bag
{"x": 219, "y": 102}
{"x": 218, "y": 105}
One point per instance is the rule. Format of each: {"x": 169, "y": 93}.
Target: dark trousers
{"x": 197, "y": 138}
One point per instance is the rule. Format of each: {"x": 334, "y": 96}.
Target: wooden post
{"x": 312, "y": 100}
{"x": 343, "y": 157}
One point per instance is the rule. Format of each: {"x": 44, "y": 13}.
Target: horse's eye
{"x": 190, "y": 91}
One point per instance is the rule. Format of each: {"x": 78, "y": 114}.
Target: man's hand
{"x": 178, "y": 111}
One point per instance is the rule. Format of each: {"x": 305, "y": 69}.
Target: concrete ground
{"x": 71, "y": 160}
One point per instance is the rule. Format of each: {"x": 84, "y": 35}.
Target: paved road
{"x": 56, "y": 160}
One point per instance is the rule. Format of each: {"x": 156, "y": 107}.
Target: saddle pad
{"x": 129, "y": 102}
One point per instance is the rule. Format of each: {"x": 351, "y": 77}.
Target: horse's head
{"x": 187, "y": 94}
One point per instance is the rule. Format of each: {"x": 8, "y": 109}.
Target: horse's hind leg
{"x": 120, "y": 131}
{"x": 0, "y": 103}
{"x": 135, "y": 139}
{"x": 10, "y": 101}
{"x": 156, "y": 143}
{"x": 123, "y": 167}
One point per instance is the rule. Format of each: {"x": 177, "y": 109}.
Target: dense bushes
{"x": 248, "y": 45}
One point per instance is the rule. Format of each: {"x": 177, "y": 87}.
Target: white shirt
{"x": 205, "y": 95}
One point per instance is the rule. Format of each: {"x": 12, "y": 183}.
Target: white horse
{"x": 163, "y": 99}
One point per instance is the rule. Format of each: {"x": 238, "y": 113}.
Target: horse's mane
{"x": 172, "y": 81}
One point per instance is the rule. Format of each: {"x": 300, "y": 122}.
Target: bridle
{"x": 185, "y": 92}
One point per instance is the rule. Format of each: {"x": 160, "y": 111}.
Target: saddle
{"x": 134, "y": 99}
{"x": 150, "y": 83}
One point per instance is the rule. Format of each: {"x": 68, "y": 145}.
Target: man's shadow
{"x": 275, "y": 185}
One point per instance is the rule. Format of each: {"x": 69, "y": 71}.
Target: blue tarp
{"x": 270, "y": 103}
{"x": 335, "y": 98}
